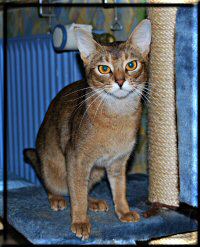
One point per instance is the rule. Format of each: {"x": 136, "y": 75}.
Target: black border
{"x": 13, "y": 5}
{"x": 15, "y": 235}
{"x": 5, "y": 121}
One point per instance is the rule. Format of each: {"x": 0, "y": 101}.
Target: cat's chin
{"x": 119, "y": 94}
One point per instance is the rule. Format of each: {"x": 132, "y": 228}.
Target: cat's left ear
{"x": 86, "y": 44}
{"x": 141, "y": 37}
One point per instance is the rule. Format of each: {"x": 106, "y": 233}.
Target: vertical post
{"x": 162, "y": 132}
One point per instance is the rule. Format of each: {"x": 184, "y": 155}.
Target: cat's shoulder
{"x": 71, "y": 89}
{"x": 78, "y": 85}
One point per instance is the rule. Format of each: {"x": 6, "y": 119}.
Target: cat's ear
{"x": 86, "y": 44}
{"x": 141, "y": 37}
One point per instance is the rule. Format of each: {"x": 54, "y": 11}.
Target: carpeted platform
{"x": 30, "y": 214}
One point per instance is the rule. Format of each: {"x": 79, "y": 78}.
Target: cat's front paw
{"x": 131, "y": 216}
{"x": 57, "y": 202}
{"x": 97, "y": 205}
{"x": 81, "y": 229}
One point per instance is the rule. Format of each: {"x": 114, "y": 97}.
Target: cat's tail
{"x": 30, "y": 157}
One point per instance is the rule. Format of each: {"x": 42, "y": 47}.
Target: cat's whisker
{"x": 146, "y": 92}
{"x": 104, "y": 98}
{"x": 151, "y": 102}
{"x": 150, "y": 91}
{"x": 145, "y": 97}
{"x": 99, "y": 106}
{"x": 85, "y": 100}
{"x": 78, "y": 90}
{"x": 139, "y": 93}
{"x": 90, "y": 106}
{"x": 80, "y": 96}
{"x": 151, "y": 97}
{"x": 143, "y": 90}
{"x": 86, "y": 111}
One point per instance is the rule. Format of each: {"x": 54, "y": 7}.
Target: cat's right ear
{"x": 86, "y": 44}
{"x": 140, "y": 38}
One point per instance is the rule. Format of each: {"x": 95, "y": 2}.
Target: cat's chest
{"x": 118, "y": 136}
{"x": 107, "y": 160}
{"x": 121, "y": 140}
{"x": 114, "y": 146}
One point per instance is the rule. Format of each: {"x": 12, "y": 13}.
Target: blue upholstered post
{"x": 187, "y": 93}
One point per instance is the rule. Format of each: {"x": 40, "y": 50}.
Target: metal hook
{"x": 116, "y": 25}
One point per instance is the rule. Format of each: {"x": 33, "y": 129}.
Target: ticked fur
{"x": 90, "y": 127}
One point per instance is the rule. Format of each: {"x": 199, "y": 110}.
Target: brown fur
{"x": 82, "y": 136}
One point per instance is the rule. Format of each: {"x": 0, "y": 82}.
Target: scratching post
{"x": 162, "y": 133}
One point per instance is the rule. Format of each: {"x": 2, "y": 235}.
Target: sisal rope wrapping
{"x": 163, "y": 157}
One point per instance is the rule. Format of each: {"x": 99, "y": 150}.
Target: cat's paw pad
{"x": 82, "y": 230}
{"x": 57, "y": 203}
{"x": 98, "y": 205}
{"x": 131, "y": 216}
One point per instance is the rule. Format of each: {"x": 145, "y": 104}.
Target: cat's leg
{"x": 55, "y": 179}
{"x": 94, "y": 204}
{"x": 78, "y": 175}
{"x": 48, "y": 172}
{"x": 117, "y": 178}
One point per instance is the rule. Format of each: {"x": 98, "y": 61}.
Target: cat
{"x": 90, "y": 127}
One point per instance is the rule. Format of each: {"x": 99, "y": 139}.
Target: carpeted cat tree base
{"x": 30, "y": 214}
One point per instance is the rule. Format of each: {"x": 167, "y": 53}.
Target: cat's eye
{"x": 104, "y": 69}
{"x": 132, "y": 65}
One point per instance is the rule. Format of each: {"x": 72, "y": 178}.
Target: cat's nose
{"x": 120, "y": 82}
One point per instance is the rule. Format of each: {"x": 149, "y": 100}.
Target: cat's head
{"x": 118, "y": 69}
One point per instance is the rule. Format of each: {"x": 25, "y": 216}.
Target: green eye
{"x": 104, "y": 69}
{"x": 131, "y": 65}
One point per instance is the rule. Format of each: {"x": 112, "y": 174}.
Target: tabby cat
{"x": 90, "y": 127}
